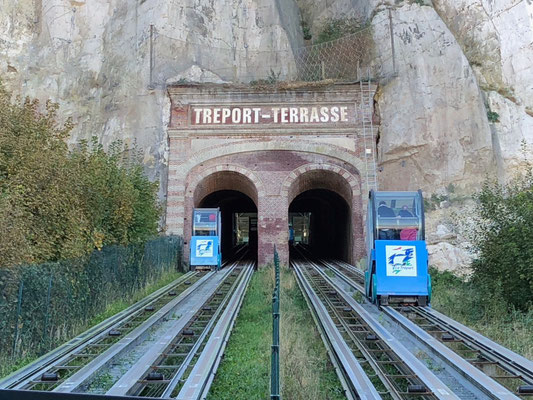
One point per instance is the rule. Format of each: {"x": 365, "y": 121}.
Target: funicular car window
{"x": 205, "y": 223}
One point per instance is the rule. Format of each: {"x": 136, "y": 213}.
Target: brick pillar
{"x": 179, "y": 150}
{"x": 273, "y": 229}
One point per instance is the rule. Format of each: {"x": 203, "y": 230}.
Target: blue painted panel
{"x": 204, "y": 250}
{"x": 402, "y": 267}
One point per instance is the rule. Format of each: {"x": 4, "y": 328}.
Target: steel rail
{"x": 31, "y": 371}
{"x": 199, "y": 380}
{"x": 187, "y": 361}
{"x": 186, "y": 343}
{"x": 351, "y": 372}
{"x": 514, "y": 363}
{"x": 477, "y": 377}
{"x": 415, "y": 369}
{"x": 482, "y": 381}
{"x": 76, "y": 380}
{"x": 126, "y": 382}
{"x": 337, "y": 364}
{"x": 226, "y": 339}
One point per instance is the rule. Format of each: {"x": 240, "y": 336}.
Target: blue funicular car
{"x": 397, "y": 267}
{"x": 205, "y": 240}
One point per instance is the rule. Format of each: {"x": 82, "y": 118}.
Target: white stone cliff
{"x": 456, "y": 60}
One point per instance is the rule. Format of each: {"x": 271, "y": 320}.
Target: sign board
{"x": 271, "y": 114}
{"x": 205, "y": 220}
{"x": 401, "y": 267}
{"x": 401, "y": 260}
{"x": 204, "y": 250}
{"x": 320, "y": 115}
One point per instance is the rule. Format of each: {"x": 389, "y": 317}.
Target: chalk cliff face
{"x": 456, "y": 61}
{"x": 93, "y": 57}
{"x": 497, "y": 39}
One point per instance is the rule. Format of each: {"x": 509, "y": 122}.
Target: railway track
{"x": 372, "y": 363}
{"x": 151, "y": 349}
{"x": 496, "y": 371}
{"x": 64, "y": 354}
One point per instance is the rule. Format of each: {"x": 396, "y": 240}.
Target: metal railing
{"x": 45, "y": 304}
{"x": 172, "y": 53}
{"x": 274, "y": 369}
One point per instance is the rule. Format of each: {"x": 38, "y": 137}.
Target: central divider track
{"x": 395, "y": 374}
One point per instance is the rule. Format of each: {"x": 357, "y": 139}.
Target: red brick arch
{"x": 289, "y": 191}
{"x": 339, "y": 180}
{"x": 254, "y": 191}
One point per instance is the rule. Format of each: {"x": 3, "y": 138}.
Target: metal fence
{"x": 342, "y": 59}
{"x": 274, "y": 367}
{"x": 44, "y": 305}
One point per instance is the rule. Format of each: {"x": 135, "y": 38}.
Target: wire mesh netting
{"x": 346, "y": 59}
{"x": 44, "y": 305}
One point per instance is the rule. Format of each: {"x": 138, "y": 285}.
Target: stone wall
{"x": 271, "y": 163}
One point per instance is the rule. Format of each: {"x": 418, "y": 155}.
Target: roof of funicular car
{"x": 392, "y": 194}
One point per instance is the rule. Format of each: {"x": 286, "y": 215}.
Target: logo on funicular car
{"x": 204, "y": 248}
{"x": 401, "y": 260}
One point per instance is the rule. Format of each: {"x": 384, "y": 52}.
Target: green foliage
{"x": 244, "y": 371}
{"x": 58, "y": 205}
{"x": 306, "y": 30}
{"x": 306, "y": 371}
{"x": 335, "y": 28}
{"x": 493, "y": 116}
{"x": 465, "y": 302}
{"x": 502, "y": 241}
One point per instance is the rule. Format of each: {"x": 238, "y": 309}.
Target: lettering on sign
{"x": 240, "y": 115}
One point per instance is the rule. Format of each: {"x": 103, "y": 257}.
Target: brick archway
{"x": 203, "y": 181}
{"x": 336, "y": 179}
{"x": 279, "y": 146}
{"x": 350, "y": 178}
{"x": 199, "y": 176}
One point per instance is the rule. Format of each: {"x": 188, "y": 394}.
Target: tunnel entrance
{"x": 239, "y": 220}
{"x": 320, "y": 218}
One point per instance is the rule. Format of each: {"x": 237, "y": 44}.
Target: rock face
{"x": 93, "y": 57}
{"x": 455, "y": 63}
{"x": 497, "y": 39}
{"x": 434, "y": 128}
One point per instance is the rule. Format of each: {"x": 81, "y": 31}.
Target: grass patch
{"x": 244, "y": 372}
{"x": 119, "y": 305}
{"x": 8, "y": 364}
{"x": 306, "y": 371}
{"x": 463, "y": 302}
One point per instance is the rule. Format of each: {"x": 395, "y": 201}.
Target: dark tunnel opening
{"x": 321, "y": 219}
{"x": 239, "y": 220}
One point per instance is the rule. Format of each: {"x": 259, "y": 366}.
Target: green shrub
{"x": 56, "y": 204}
{"x": 463, "y": 301}
{"x": 493, "y": 116}
{"x": 502, "y": 237}
{"x": 335, "y": 28}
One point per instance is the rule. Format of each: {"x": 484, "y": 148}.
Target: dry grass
{"x": 461, "y": 301}
{"x": 306, "y": 372}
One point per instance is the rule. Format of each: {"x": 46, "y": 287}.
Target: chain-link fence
{"x": 365, "y": 54}
{"x": 44, "y": 305}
